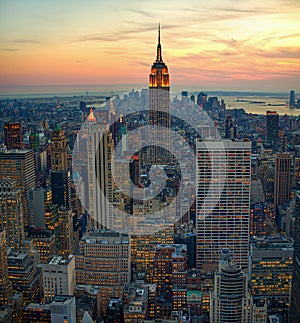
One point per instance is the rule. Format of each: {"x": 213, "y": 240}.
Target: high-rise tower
{"x": 282, "y": 186}
{"x": 230, "y": 300}
{"x": 159, "y": 107}
{"x": 272, "y": 127}
{"x": 223, "y": 217}
{"x": 18, "y": 165}
{"x": 58, "y": 150}
{"x": 11, "y": 213}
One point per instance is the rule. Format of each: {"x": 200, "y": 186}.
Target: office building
{"x": 258, "y": 219}
{"x": 100, "y": 183}
{"x": 5, "y": 283}
{"x": 11, "y": 213}
{"x": 282, "y": 186}
{"x": 104, "y": 260}
{"x": 169, "y": 273}
{"x": 36, "y": 313}
{"x": 44, "y": 242}
{"x": 61, "y": 188}
{"x": 63, "y": 309}
{"x": 292, "y": 99}
{"x": 230, "y": 300}
{"x": 58, "y": 277}
{"x": 270, "y": 268}
{"x": 159, "y": 109}
{"x": 25, "y": 277}
{"x": 143, "y": 249}
{"x": 18, "y": 165}
{"x": 66, "y": 232}
{"x": 295, "y": 297}
{"x": 272, "y": 128}
{"x": 223, "y": 200}
{"x": 58, "y": 150}
{"x": 13, "y": 135}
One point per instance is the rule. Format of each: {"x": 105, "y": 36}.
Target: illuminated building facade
{"x": 13, "y": 135}
{"x": 230, "y": 300}
{"x": 5, "y": 283}
{"x": 58, "y": 277}
{"x": 258, "y": 221}
{"x": 143, "y": 248}
{"x": 270, "y": 267}
{"x": 44, "y": 242}
{"x": 24, "y": 276}
{"x": 169, "y": 271}
{"x": 159, "y": 107}
{"x": 18, "y": 165}
{"x": 58, "y": 150}
{"x": 11, "y": 213}
{"x": 67, "y": 242}
{"x": 222, "y": 220}
{"x": 104, "y": 260}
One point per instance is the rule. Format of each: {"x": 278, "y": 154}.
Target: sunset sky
{"x": 216, "y": 44}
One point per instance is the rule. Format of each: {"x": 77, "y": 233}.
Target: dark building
{"x": 292, "y": 98}
{"x": 189, "y": 240}
{"x": 282, "y": 186}
{"x": 257, "y": 219}
{"x": 13, "y": 135}
{"x": 230, "y": 128}
{"x": 61, "y": 188}
{"x": 272, "y": 127}
{"x": 295, "y": 299}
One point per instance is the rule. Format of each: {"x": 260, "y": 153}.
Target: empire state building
{"x": 159, "y": 108}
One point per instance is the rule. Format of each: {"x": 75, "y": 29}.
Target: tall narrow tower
{"x": 58, "y": 150}
{"x": 159, "y": 107}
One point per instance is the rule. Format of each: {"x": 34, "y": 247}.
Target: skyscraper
{"x": 5, "y": 283}
{"x": 60, "y": 176}
{"x": 13, "y": 135}
{"x": 11, "y": 213}
{"x": 295, "y": 297}
{"x": 18, "y": 165}
{"x": 61, "y": 188}
{"x": 230, "y": 299}
{"x": 282, "y": 186}
{"x": 100, "y": 184}
{"x": 272, "y": 127}
{"x": 58, "y": 150}
{"x": 292, "y": 98}
{"x": 222, "y": 218}
{"x": 159, "y": 107}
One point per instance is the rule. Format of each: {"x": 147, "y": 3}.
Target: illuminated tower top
{"x": 159, "y": 77}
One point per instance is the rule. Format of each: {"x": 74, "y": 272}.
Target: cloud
{"x": 10, "y": 49}
{"x": 28, "y": 41}
{"x": 142, "y": 13}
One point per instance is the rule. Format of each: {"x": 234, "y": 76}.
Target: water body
{"x": 251, "y": 102}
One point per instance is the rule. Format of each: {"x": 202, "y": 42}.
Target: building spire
{"x": 158, "y": 53}
{"x": 158, "y": 33}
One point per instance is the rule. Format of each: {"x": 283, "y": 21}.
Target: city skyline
{"x": 249, "y": 46}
